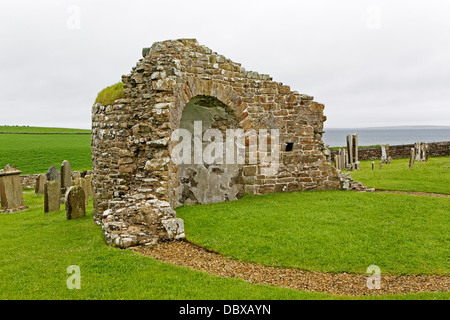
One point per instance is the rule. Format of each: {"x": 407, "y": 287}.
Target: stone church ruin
{"x": 177, "y": 84}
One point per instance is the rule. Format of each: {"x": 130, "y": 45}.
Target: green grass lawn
{"x": 333, "y": 231}
{"x": 24, "y": 129}
{"x": 36, "y": 249}
{"x": 431, "y": 176}
{"x": 36, "y": 153}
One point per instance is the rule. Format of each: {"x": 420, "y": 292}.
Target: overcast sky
{"x": 372, "y": 63}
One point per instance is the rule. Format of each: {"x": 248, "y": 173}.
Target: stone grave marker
{"x": 75, "y": 175}
{"x": 89, "y": 191}
{"x": 411, "y": 158}
{"x": 66, "y": 176}
{"x": 11, "y": 190}
{"x": 53, "y": 174}
{"x": 40, "y": 184}
{"x": 355, "y": 152}
{"x": 383, "y": 153}
{"x": 52, "y": 196}
{"x": 75, "y": 203}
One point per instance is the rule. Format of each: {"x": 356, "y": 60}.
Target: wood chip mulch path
{"x": 415, "y": 193}
{"x": 186, "y": 254}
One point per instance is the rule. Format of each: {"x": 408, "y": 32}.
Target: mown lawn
{"x": 332, "y": 231}
{"x": 25, "y": 129}
{"x": 32, "y": 153}
{"x": 431, "y": 176}
{"x": 36, "y": 249}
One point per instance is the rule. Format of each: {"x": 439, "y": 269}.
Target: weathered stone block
{"x": 75, "y": 201}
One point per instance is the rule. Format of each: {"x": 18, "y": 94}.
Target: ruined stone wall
{"x": 131, "y": 140}
{"x": 435, "y": 149}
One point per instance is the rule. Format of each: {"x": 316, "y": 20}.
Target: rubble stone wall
{"x": 435, "y": 149}
{"x": 136, "y": 185}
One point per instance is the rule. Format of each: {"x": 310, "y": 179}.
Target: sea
{"x": 336, "y": 137}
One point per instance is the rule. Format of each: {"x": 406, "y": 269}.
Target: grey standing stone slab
{"x": 411, "y": 158}
{"x": 53, "y": 174}
{"x": 355, "y": 148}
{"x": 88, "y": 187}
{"x": 11, "y": 190}
{"x": 350, "y": 149}
{"x": 383, "y": 153}
{"x": 40, "y": 184}
{"x": 52, "y": 196}
{"x": 75, "y": 175}
{"x": 75, "y": 203}
{"x": 66, "y": 175}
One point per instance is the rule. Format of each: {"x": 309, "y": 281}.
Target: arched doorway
{"x": 205, "y": 175}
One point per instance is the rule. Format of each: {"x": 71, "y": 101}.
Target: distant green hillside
{"x": 25, "y": 129}
{"x": 36, "y": 152}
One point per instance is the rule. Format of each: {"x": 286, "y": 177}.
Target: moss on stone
{"x": 110, "y": 94}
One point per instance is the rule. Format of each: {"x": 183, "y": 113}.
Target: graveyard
{"x": 275, "y": 214}
{"x": 404, "y": 234}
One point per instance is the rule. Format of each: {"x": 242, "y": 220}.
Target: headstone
{"x": 53, "y": 174}
{"x": 411, "y": 158}
{"x": 383, "y": 153}
{"x": 342, "y": 159}
{"x": 66, "y": 177}
{"x": 89, "y": 190}
{"x": 420, "y": 151}
{"x": 11, "y": 190}
{"x": 346, "y": 159}
{"x": 355, "y": 150}
{"x": 350, "y": 149}
{"x": 52, "y": 196}
{"x": 75, "y": 203}
{"x": 40, "y": 184}
{"x": 75, "y": 175}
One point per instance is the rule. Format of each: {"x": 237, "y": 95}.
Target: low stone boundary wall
{"x": 28, "y": 180}
{"x": 435, "y": 149}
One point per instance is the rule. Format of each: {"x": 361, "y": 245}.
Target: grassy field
{"x": 35, "y": 153}
{"x": 36, "y": 249}
{"x": 25, "y": 129}
{"x": 431, "y": 176}
{"x": 333, "y": 231}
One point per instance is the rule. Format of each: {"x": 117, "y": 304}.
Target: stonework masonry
{"x": 137, "y": 186}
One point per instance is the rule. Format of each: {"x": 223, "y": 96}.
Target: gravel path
{"x": 415, "y": 193}
{"x": 186, "y": 254}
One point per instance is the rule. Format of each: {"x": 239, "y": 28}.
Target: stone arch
{"x": 206, "y": 181}
{"x": 137, "y": 185}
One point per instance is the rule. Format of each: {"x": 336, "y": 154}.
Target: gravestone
{"x": 411, "y": 158}
{"x": 75, "y": 203}
{"x": 40, "y": 184}
{"x": 52, "y": 196}
{"x": 66, "y": 177}
{"x": 11, "y": 190}
{"x": 383, "y": 153}
{"x": 53, "y": 174}
{"x": 342, "y": 158}
{"x": 350, "y": 150}
{"x": 420, "y": 151}
{"x": 88, "y": 189}
{"x": 75, "y": 175}
{"x": 355, "y": 152}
